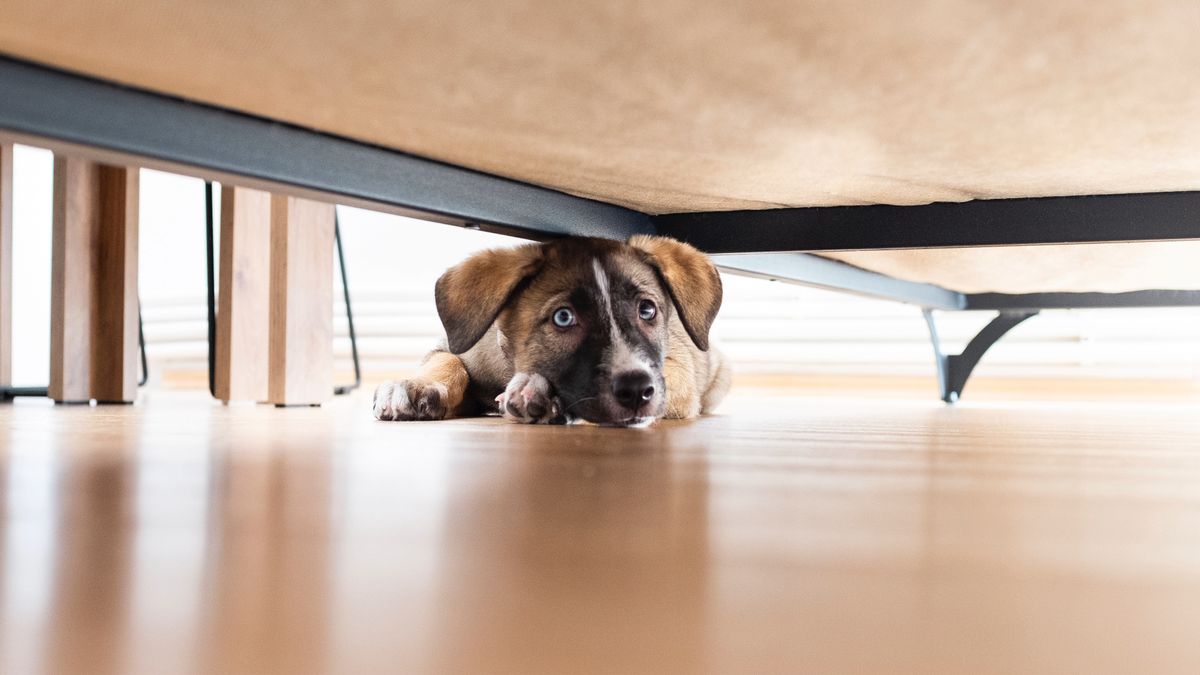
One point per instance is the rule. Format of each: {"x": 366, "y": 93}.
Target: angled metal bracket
{"x": 953, "y": 370}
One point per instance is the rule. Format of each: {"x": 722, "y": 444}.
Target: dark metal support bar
{"x": 9, "y": 393}
{"x": 983, "y": 222}
{"x": 1034, "y": 301}
{"x": 953, "y": 370}
{"x": 811, "y": 270}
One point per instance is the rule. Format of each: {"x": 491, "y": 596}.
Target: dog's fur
{"x": 504, "y": 351}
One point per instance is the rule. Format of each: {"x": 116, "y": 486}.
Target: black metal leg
{"x": 337, "y": 238}
{"x": 953, "y": 370}
{"x": 142, "y": 349}
{"x": 9, "y": 393}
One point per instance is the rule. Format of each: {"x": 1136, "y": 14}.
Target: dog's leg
{"x": 528, "y": 399}
{"x": 720, "y": 376}
{"x": 679, "y": 375}
{"x": 434, "y": 394}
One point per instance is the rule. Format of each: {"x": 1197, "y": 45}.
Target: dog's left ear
{"x": 691, "y": 279}
{"x": 470, "y": 295}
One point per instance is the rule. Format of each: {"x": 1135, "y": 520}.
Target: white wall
{"x": 393, "y": 262}
{"x": 32, "y": 170}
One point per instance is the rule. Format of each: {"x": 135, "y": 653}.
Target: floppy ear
{"x": 471, "y": 294}
{"x": 691, "y": 279}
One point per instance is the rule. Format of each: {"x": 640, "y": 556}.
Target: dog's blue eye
{"x": 646, "y": 310}
{"x": 563, "y": 317}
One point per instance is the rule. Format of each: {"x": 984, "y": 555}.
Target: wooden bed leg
{"x": 6, "y": 263}
{"x": 76, "y": 201}
{"x": 243, "y": 318}
{"x": 94, "y": 298}
{"x": 301, "y": 315}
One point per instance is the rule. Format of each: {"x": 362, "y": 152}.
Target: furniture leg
{"x": 94, "y": 305}
{"x": 301, "y": 313}
{"x": 243, "y": 310}
{"x": 954, "y": 370}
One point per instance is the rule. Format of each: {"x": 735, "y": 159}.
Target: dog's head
{"x": 589, "y": 315}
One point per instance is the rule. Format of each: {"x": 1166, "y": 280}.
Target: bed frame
{"x": 99, "y": 120}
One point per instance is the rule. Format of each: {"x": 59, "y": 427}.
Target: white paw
{"x": 528, "y": 399}
{"x": 410, "y": 400}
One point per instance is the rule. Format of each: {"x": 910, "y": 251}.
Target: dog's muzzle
{"x": 633, "y": 390}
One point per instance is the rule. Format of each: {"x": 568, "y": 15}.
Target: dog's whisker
{"x": 578, "y": 401}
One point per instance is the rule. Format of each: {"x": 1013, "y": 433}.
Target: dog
{"x": 576, "y": 329}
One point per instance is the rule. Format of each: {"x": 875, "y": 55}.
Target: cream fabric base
{"x": 689, "y": 105}
{"x": 692, "y": 105}
{"x": 1098, "y": 268}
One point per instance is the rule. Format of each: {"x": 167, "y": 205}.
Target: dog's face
{"x": 589, "y": 315}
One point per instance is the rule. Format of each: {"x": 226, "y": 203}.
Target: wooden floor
{"x": 791, "y": 534}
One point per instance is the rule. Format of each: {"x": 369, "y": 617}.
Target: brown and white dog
{"x": 576, "y": 329}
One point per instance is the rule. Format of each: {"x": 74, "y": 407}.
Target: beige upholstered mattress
{"x": 683, "y": 105}
{"x": 1098, "y": 268}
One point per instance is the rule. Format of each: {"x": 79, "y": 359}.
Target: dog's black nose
{"x": 633, "y": 388}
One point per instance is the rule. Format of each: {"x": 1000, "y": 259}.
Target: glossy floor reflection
{"x": 789, "y": 534}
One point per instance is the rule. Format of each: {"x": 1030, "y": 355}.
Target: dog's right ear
{"x": 471, "y": 294}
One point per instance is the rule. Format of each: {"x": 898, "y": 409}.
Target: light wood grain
{"x": 301, "y": 321}
{"x": 243, "y": 317}
{"x": 115, "y": 288}
{"x": 822, "y": 533}
{"x": 73, "y": 261}
{"x": 93, "y": 314}
{"x": 6, "y": 262}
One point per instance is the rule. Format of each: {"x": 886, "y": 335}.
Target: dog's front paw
{"x": 528, "y": 399}
{"x": 411, "y": 400}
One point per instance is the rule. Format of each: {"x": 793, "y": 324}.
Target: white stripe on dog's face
{"x": 602, "y": 284}
{"x": 622, "y": 356}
